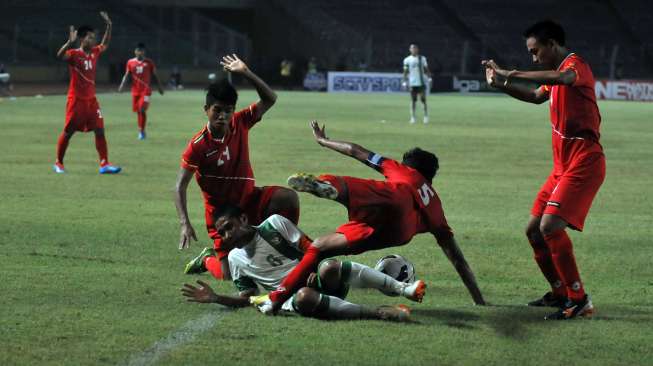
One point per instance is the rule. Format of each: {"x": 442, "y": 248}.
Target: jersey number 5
{"x": 425, "y": 193}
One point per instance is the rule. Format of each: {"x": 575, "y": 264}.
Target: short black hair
{"x": 83, "y": 30}
{"x": 221, "y": 91}
{"x": 227, "y": 210}
{"x": 546, "y": 30}
{"x": 140, "y": 46}
{"x": 423, "y": 161}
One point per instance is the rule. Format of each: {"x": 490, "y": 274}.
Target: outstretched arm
{"x": 187, "y": 232}
{"x": 267, "y": 96}
{"x": 346, "y": 148}
{"x": 72, "y": 36}
{"x": 498, "y": 78}
{"x": 205, "y": 294}
{"x": 456, "y": 257}
{"x": 107, "y": 33}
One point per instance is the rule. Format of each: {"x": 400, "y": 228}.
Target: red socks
{"x": 102, "y": 150}
{"x": 214, "y": 266}
{"x": 62, "y": 145}
{"x": 544, "y": 260}
{"x": 298, "y": 276}
{"x": 562, "y": 254}
{"x": 142, "y": 119}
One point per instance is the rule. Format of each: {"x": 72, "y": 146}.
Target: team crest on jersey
{"x": 275, "y": 240}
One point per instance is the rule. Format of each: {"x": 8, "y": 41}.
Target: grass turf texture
{"x": 91, "y": 272}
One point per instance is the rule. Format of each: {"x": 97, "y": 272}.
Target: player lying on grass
{"x": 262, "y": 257}
{"x": 82, "y": 109}
{"x": 564, "y": 200}
{"x": 218, "y": 156}
{"x": 381, "y": 213}
{"x": 141, "y": 71}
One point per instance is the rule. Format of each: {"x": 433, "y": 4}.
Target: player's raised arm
{"x": 267, "y": 96}
{"x": 456, "y": 257}
{"x": 346, "y": 148}
{"x": 493, "y": 75}
{"x": 187, "y": 232}
{"x": 72, "y": 37}
{"x": 205, "y": 294}
{"x": 107, "y": 33}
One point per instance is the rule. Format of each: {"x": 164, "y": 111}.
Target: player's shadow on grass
{"x": 449, "y": 317}
{"x": 514, "y": 321}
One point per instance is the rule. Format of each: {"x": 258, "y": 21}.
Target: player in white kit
{"x": 263, "y": 256}
{"x": 417, "y": 78}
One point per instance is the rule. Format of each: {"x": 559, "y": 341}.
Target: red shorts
{"x": 140, "y": 102}
{"x": 380, "y": 216}
{"x": 83, "y": 115}
{"x": 570, "y": 195}
{"x": 254, "y": 207}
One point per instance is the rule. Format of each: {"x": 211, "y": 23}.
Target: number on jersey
{"x": 88, "y": 65}
{"x": 139, "y": 69}
{"x": 425, "y": 193}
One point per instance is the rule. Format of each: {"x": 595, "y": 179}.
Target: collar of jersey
{"x": 565, "y": 59}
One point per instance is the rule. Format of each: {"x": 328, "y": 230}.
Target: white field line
{"x": 184, "y": 334}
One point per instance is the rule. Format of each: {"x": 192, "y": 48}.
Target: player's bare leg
{"x": 422, "y": 97}
{"x": 413, "y": 101}
{"x": 542, "y": 255}
{"x": 284, "y": 202}
{"x": 311, "y": 303}
{"x": 579, "y": 303}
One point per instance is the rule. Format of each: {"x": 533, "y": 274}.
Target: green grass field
{"x": 90, "y": 270}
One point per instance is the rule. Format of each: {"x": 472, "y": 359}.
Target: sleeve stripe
{"x": 375, "y": 159}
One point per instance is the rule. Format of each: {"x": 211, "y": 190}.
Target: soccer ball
{"x": 396, "y": 267}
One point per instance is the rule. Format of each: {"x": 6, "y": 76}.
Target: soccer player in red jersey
{"x": 382, "y": 214}
{"x": 218, "y": 156}
{"x": 141, "y": 70}
{"x": 82, "y": 109}
{"x": 578, "y": 161}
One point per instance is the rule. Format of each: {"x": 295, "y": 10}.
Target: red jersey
{"x": 407, "y": 203}
{"x": 575, "y": 117}
{"x": 141, "y": 74}
{"x": 81, "y": 67}
{"x": 222, "y": 167}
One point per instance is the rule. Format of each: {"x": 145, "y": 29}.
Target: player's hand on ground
{"x": 319, "y": 133}
{"x": 204, "y": 293}
{"x": 105, "y": 17}
{"x": 72, "y": 34}
{"x": 187, "y": 234}
{"x": 234, "y": 64}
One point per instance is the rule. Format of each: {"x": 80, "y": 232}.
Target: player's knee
{"x": 550, "y": 226}
{"x": 284, "y": 197}
{"x": 306, "y": 301}
{"x": 329, "y": 273}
